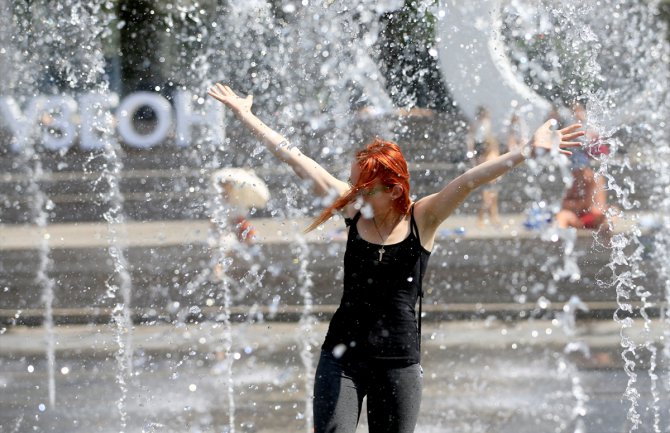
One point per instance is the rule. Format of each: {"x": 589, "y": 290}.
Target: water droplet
{"x": 543, "y": 303}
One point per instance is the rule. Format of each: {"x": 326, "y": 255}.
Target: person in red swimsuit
{"x": 585, "y": 202}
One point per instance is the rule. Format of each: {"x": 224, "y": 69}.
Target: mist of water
{"x": 626, "y": 96}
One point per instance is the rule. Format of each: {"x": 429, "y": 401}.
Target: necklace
{"x": 381, "y": 250}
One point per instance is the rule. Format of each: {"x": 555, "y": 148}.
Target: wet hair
{"x": 380, "y": 161}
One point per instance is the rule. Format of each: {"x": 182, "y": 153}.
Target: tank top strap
{"x": 354, "y": 220}
{"x": 415, "y": 228}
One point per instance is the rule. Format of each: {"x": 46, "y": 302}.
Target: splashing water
{"x": 659, "y": 255}
{"x": 568, "y": 320}
{"x": 223, "y": 263}
{"x": 121, "y": 317}
{"x": 34, "y": 173}
{"x": 47, "y": 283}
{"x": 307, "y": 335}
{"x": 97, "y": 17}
{"x": 626, "y": 106}
{"x": 82, "y": 70}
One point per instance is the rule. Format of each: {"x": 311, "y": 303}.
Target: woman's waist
{"x": 370, "y": 313}
{"x": 363, "y": 329}
{"x": 379, "y": 300}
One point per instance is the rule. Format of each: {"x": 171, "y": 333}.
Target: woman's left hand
{"x": 546, "y": 138}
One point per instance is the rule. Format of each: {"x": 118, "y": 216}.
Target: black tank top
{"x": 376, "y": 319}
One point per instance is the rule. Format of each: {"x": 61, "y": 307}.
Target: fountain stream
{"x": 614, "y": 109}
{"x": 82, "y": 70}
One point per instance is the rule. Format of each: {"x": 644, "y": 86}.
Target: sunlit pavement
{"x": 480, "y": 376}
{"x": 269, "y": 230}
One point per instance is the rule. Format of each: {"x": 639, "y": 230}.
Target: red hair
{"x": 380, "y": 161}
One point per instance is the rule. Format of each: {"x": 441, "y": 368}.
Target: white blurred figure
{"x": 240, "y": 190}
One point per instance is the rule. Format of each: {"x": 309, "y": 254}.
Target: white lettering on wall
{"x": 58, "y": 121}
{"x": 126, "y": 111}
{"x": 24, "y": 127}
{"x": 97, "y": 121}
{"x": 186, "y": 118}
{"x": 59, "y": 130}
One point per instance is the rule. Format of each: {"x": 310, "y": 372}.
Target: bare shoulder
{"x": 349, "y": 211}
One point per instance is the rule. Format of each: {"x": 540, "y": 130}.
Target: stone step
{"x": 169, "y": 264}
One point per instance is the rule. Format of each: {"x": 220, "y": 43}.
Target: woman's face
{"x": 377, "y": 195}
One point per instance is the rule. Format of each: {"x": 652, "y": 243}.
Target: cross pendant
{"x": 381, "y": 253}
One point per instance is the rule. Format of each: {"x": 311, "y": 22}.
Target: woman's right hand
{"x": 226, "y": 95}
{"x": 303, "y": 166}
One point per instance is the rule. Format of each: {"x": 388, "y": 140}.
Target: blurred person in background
{"x": 483, "y": 146}
{"x": 584, "y": 204}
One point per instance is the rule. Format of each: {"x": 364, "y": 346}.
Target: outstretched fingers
{"x": 225, "y": 90}
{"x": 572, "y": 136}
{"x": 229, "y": 98}
{"x": 221, "y": 92}
{"x": 569, "y": 134}
{"x": 215, "y": 92}
{"x": 568, "y": 144}
{"x": 566, "y": 141}
{"x": 570, "y": 128}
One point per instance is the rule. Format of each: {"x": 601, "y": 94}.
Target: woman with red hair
{"x": 372, "y": 344}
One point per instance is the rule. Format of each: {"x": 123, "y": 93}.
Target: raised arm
{"x": 432, "y": 210}
{"x": 303, "y": 166}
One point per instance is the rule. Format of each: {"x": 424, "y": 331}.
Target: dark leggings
{"x": 394, "y": 396}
